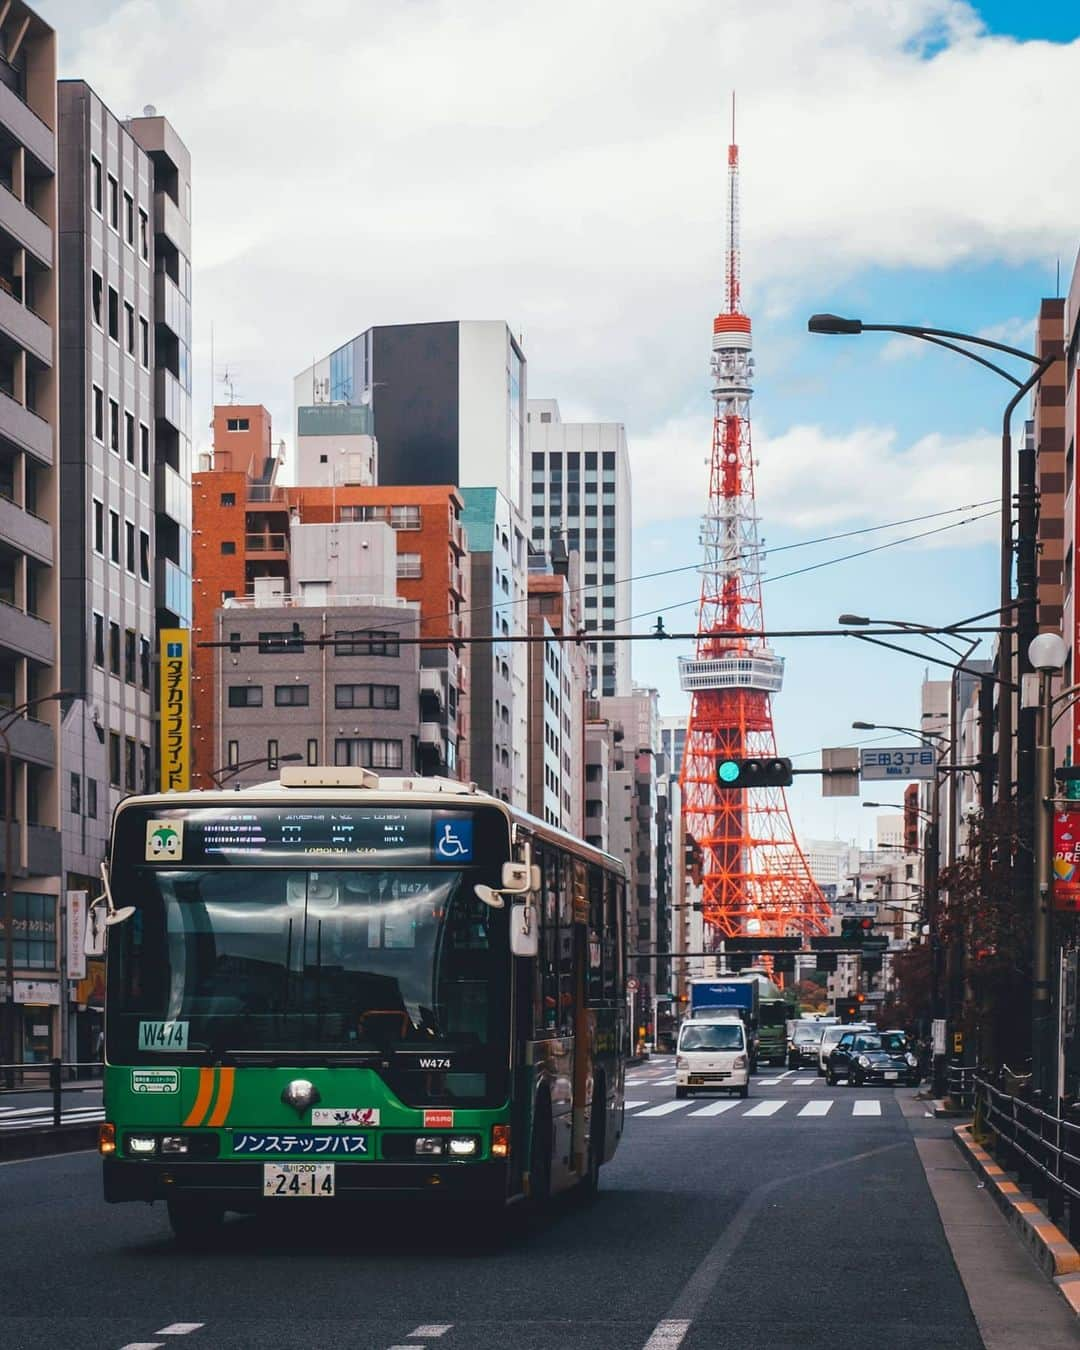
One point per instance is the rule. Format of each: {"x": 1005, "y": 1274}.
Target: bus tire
{"x": 589, "y": 1184}
{"x": 194, "y": 1220}
{"x": 540, "y": 1159}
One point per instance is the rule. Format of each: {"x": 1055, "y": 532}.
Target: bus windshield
{"x": 385, "y": 962}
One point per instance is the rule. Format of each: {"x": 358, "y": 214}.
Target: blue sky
{"x": 905, "y": 160}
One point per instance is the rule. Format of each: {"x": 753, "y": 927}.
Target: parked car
{"x": 871, "y": 1057}
{"x": 803, "y": 1043}
{"x": 831, "y": 1035}
{"x": 712, "y": 1053}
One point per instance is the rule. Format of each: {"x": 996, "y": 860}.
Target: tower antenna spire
{"x": 732, "y": 294}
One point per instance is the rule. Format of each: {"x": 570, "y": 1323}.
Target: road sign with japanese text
{"x": 899, "y": 763}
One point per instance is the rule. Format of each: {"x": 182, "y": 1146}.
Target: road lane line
{"x": 766, "y": 1108}
{"x": 715, "y": 1108}
{"x": 664, "y": 1109}
{"x": 432, "y": 1329}
{"x": 866, "y": 1108}
{"x": 806, "y": 1082}
{"x": 820, "y": 1108}
{"x": 179, "y": 1328}
{"x": 633, "y": 1106}
{"x": 143, "y": 1345}
{"x": 668, "y": 1335}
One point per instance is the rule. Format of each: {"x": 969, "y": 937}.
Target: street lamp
{"x": 227, "y": 771}
{"x": 1026, "y": 560}
{"x": 11, "y": 715}
{"x": 921, "y": 733}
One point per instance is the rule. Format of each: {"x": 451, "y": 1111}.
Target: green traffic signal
{"x": 754, "y": 773}
{"x": 728, "y": 771}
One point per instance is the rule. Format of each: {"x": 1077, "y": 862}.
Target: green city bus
{"x": 335, "y": 984}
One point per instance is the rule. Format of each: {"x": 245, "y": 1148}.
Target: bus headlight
{"x": 500, "y": 1141}
{"x": 174, "y": 1143}
{"x": 428, "y": 1145}
{"x": 141, "y": 1143}
{"x": 107, "y": 1138}
{"x": 462, "y": 1147}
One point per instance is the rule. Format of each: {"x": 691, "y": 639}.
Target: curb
{"x": 942, "y": 1110}
{"x": 53, "y": 1139}
{"x": 1053, "y": 1252}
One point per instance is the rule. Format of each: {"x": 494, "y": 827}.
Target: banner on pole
{"x": 76, "y": 934}
{"x": 1066, "y": 866}
{"x": 175, "y": 709}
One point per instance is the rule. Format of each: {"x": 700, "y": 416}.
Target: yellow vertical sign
{"x": 175, "y": 709}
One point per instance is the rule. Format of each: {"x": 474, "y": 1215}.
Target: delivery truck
{"x": 735, "y": 994}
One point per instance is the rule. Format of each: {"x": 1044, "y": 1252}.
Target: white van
{"x": 711, "y": 1053}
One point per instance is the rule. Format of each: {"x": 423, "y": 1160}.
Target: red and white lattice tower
{"x": 756, "y": 880}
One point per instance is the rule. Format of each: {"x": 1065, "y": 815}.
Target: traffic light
{"x": 856, "y": 930}
{"x": 754, "y": 773}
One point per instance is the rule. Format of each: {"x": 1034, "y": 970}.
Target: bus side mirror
{"x": 515, "y": 877}
{"x": 524, "y": 933}
{"x": 94, "y": 933}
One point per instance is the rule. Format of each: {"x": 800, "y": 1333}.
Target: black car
{"x": 869, "y": 1057}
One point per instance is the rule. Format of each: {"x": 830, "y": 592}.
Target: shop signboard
{"x": 1066, "y": 864}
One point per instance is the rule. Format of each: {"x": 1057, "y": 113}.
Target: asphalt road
{"x": 799, "y": 1218}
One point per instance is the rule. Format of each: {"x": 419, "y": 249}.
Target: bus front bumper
{"x": 239, "y": 1185}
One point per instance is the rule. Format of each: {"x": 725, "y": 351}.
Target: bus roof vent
{"x": 327, "y": 775}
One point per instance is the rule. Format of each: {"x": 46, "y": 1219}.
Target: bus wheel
{"x": 194, "y": 1221}
{"x": 540, "y": 1161}
{"x": 590, "y": 1182}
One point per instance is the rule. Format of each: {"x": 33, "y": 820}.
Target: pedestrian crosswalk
{"x": 764, "y": 1108}
{"x": 34, "y": 1117}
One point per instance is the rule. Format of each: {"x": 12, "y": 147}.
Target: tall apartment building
{"x": 29, "y": 527}
{"x": 243, "y": 518}
{"x": 1048, "y": 417}
{"x": 498, "y": 601}
{"x": 580, "y": 487}
{"x": 557, "y": 673}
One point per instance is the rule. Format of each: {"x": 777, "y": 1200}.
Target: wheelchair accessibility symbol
{"x": 454, "y": 840}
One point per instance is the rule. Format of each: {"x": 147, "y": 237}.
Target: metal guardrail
{"x": 960, "y": 1080}
{"x": 46, "y": 1076}
{"x": 1043, "y": 1149}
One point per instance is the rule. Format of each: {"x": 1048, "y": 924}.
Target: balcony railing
{"x": 266, "y": 543}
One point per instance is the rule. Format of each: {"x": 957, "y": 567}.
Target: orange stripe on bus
{"x": 202, "y": 1097}
{"x": 225, "y": 1094}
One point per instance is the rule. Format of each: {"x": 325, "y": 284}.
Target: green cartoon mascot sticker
{"x": 164, "y": 840}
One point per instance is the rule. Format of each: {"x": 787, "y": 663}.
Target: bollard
{"x": 54, "y": 1083}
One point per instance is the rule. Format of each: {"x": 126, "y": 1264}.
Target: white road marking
{"x": 179, "y": 1328}
{"x": 766, "y": 1082}
{"x": 432, "y": 1329}
{"x": 668, "y": 1335}
{"x": 806, "y": 1082}
{"x": 664, "y": 1109}
{"x": 766, "y": 1108}
{"x": 663, "y": 1082}
{"x": 819, "y": 1108}
{"x": 633, "y": 1106}
{"x": 866, "y": 1108}
{"x": 715, "y": 1108}
{"x": 143, "y": 1345}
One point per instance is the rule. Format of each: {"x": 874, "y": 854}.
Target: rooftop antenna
{"x": 1057, "y": 280}
{"x": 227, "y": 381}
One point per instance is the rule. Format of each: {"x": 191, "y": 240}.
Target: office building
{"x": 580, "y": 495}
{"x": 29, "y": 530}
{"x": 1048, "y": 429}
{"x": 498, "y": 599}
{"x": 447, "y": 402}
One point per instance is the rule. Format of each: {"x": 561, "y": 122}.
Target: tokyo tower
{"x": 755, "y": 878}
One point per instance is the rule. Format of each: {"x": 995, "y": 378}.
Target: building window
{"x": 144, "y": 662}
{"x": 129, "y": 546}
{"x": 144, "y": 343}
{"x": 313, "y": 752}
{"x": 76, "y": 795}
{"x": 144, "y": 555}
{"x": 114, "y": 426}
{"x": 146, "y": 781}
{"x": 405, "y": 517}
{"x": 237, "y": 424}
{"x": 114, "y": 314}
{"x": 129, "y": 764}
{"x": 228, "y": 499}
{"x": 96, "y": 293}
{"x": 95, "y": 183}
{"x": 144, "y": 233}
{"x": 33, "y": 938}
{"x": 129, "y": 328}
{"x": 290, "y": 695}
{"x": 99, "y": 527}
{"x": 114, "y": 648}
{"x": 99, "y": 414}
{"x": 367, "y": 696}
{"x": 129, "y": 437}
{"x": 114, "y": 759}
{"x": 114, "y": 537}
{"x": 129, "y": 218}
{"x": 368, "y": 754}
{"x": 245, "y": 696}
{"x": 409, "y": 565}
{"x": 99, "y": 641}
{"x": 129, "y": 655}
{"x": 144, "y": 449}
{"x": 91, "y": 798}
{"x": 228, "y": 546}
{"x": 114, "y": 203}
{"x": 366, "y": 643}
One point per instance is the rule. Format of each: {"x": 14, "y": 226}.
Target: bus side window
{"x": 566, "y": 944}
{"x": 620, "y": 933}
{"x": 547, "y": 962}
{"x": 611, "y": 939}
{"x": 596, "y": 935}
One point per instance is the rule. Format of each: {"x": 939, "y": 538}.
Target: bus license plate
{"x": 293, "y": 1180}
